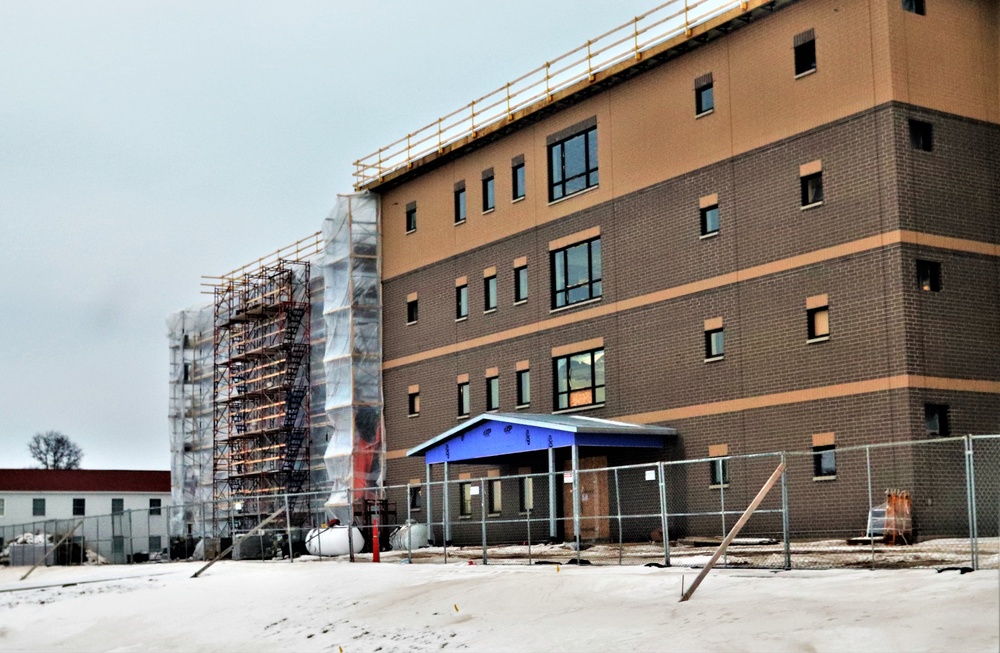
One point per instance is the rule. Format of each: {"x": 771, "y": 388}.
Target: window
{"x": 819, "y": 323}
{"x": 413, "y": 403}
{"x": 460, "y": 213}
{"x": 921, "y": 135}
{"x": 929, "y": 276}
{"x": 576, "y": 273}
{"x": 523, "y": 388}
{"x": 3, "y": 510}
{"x": 411, "y": 217}
{"x": 493, "y": 393}
{"x": 154, "y": 506}
{"x": 416, "y": 498}
{"x": 489, "y": 199}
{"x": 579, "y": 380}
{"x": 704, "y": 95}
{"x": 79, "y": 507}
{"x": 465, "y": 496}
{"x": 490, "y": 293}
{"x": 812, "y": 189}
{"x": 520, "y": 284}
{"x": 915, "y": 7}
{"x": 573, "y": 163}
{"x": 462, "y": 302}
{"x": 518, "y": 188}
{"x": 710, "y": 220}
{"x": 824, "y": 460}
{"x": 463, "y": 399}
{"x": 495, "y": 498}
{"x": 719, "y": 473}
{"x": 714, "y": 344}
{"x": 936, "y": 419}
{"x": 412, "y": 311}
{"x": 38, "y": 507}
{"x": 155, "y": 544}
{"x": 805, "y": 53}
{"x": 526, "y": 499}
{"x": 117, "y": 505}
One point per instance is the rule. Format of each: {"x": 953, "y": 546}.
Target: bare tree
{"x": 53, "y": 450}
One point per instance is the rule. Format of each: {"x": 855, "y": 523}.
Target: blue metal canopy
{"x": 498, "y": 434}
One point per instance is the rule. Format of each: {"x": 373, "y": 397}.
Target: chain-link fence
{"x": 930, "y": 503}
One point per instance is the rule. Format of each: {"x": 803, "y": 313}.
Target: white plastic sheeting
{"x": 352, "y": 312}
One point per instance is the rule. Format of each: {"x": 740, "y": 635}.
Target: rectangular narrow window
{"x": 921, "y": 135}
{"x": 489, "y": 198}
{"x": 929, "y": 276}
{"x": 411, "y": 217}
{"x": 714, "y": 344}
{"x": 526, "y": 500}
{"x": 520, "y": 284}
{"x": 412, "y": 311}
{"x": 917, "y": 7}
{"x": 812, "y": 189}
{"x": 3, "y": 511}
{"x": 936, "y": 419}
{"x": 819, "y": 323}
{"x": 117, "y": 506}
{"x": 155, "y": 506}
{"x": 824, "y": 460}
{"x": 155, "y": 543}
{"x": 460, "y": 211}
{"x": 463, "y": 399}
{"x": 573, "y": 163}
{"x": 805, "y": 52}
{"x": 579, "y": 380}
{"x": 495, "y": 498}
{"x": 490, "y": 293}
{"x": 413, "y": 403}
{"x": 518, "y": 188}
{"x": 523, "y": 388}
{"x": 710, "y": 220}
{"x": 704, "y": 95}
{"x": 719, "y": 472}
{"x": 462, "y": 302}
{"x": 416, "y": 498}
{"x": 38, "y": 507}
{"x": 465, "y": 496}
{"x": 79, "y": 507}
{"x": 576, "y": 273}
{"x": 493, "y": 393}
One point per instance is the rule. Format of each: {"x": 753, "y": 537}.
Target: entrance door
{"x": 595, "y": 524}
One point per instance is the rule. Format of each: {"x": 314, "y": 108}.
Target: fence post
{"x": 664, "y": 526}
{"x": 870, "y": 533}
{"x": 482, "y": 503}
{"x": 409, "y": 526}
{"x": 527, "y": 517}
{"x": 784, "y": 514}
{"x": 970, "y": 494}
{"x": 131, "y": 538}
{"x": 575, "y": 453}
{"x": 723, "y": 478}
{"x": 430, "y": 507}
{"x": 446, "y": 505}
{"x": 618, "y": 509}
{"x": 350, "y": 523}
{"x": 288, "y": 530}
{"x": 553, "y": 527}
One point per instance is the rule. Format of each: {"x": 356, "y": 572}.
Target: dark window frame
{"x": 812, "y": 332}
{"x": 519, "y": 182}
{"x": 492, "y": 393}
{"x": 523, "y": 379}
{"x": 718, "y": 472}
{"x": 489, "y": 193}
{"x": 490, "y": 293}
{"x": 412, "y": 311}
{"x": 79, "y": 507}
{"x": 804, "y": 52}
{"x": 921, "y": 135}
{"x": 494, "y": 496}
{"x": 155, "y": 507}
{"x": 937, "y": 422}
{"x": 117, "y": 506}
{"x": 918, "y": 7}
{"x": 464, "y": 399}
{"x": 38, "y": 507}
{"x": 824, "y": 466}
{"x": 598, "y": 391}
{"x": 416, "y": 496}
{"x": 411, "y": 218}
{"x": 705, "y": 213}
{"x": 704, "y": 99}
{"x": 461, "y": 208}
{"x": 558, "y": 181}
{"x": 465, "y": 499}
{"x": 710, "y": 353}
{"x": 462, "y": 302}
{"x": 811, "y": 187}
{"x": 594, "y": 285}
{"x": 413, "y": 404}
{"x": 928, "y": 275}
{"x": 526, "y": 494}
{"x": 520, "y": 284}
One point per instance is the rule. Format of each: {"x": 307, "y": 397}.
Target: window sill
{"x": 704, "y": 113}
{"x": 461, "y": 319}
{"x": 811, "y": 206}
{"x": 460, "y": 222}
{"x": 488, "y": 211}
{"x": 461, "y": 417}
{"x": 811, "y": 71}
{"x": 412, "y": 415}
{"x": 411, "y": 323}
{"x": 465, "y": 516}
{"x": 718, "y": 487}
{"x": 710, "y": 235}
{"x": 813, "y": 341}
{"x": 576, "y": 194}
{"x": 518, "y": 199}
{"x": 522, "y": 406}
{"x": 715, "y": 359}
{"x": 825, "y": 478}
{"x": 489, "y": 310}
{"x": 520, "y": 301}
{"x": 493, "y": 514}
{"x": 577, "y": 409}
{"x": 493, "y": 410}
{"x": 592, "y": 300}
{"x": 411, "y": 231}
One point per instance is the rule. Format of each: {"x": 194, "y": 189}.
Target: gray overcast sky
{"x": 144, "y": 144}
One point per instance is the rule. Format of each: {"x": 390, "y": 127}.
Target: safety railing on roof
{"x": 300, "y": 250}
{"x": 628, "y": 41}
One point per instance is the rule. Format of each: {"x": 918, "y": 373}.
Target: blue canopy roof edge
{"x": 519, "y": 432}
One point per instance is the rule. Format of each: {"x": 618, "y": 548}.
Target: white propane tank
{"x": 333, "y": 541}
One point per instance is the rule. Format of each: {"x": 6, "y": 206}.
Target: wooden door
{"x": 594, "y": 505}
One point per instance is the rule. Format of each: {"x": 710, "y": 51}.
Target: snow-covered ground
{"x": 333, "y": 605}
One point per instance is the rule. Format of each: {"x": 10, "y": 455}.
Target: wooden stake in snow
{"x": 259, "y": 527}
{"x": 733, "y": 533}
{"x": 52, "y": 550}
